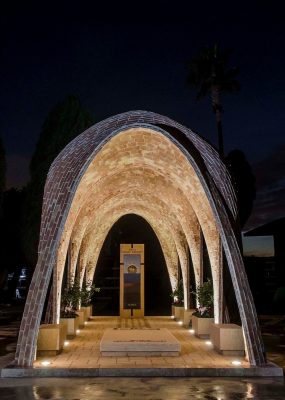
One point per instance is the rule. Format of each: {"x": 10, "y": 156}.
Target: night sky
{"x": 134, "y": 56}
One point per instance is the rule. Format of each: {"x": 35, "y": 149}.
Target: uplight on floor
{"x": 45, "y": 363}
{"x": 208, "y": 343}
{"x": 180, "y": 323}
{"x": 236, "y": 362}
{"x": 66, "y": 343}
{"x": 77, "y": 331}
{"x": 191, "y": 331}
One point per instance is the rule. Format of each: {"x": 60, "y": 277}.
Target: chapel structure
{"x": 146, "y": 164}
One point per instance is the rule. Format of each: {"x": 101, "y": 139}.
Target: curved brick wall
{"x": 170, "y": 176}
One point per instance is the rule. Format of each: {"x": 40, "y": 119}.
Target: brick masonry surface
{"x": 171, "y": 177}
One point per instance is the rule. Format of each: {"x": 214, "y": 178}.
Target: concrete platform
{"x": 124, "y": 342}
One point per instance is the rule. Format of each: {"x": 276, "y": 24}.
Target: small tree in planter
{"x": 87, "y": 292}
{"x": 202, "y": 319}
{"x": 178, "y": 300}
{"x": 178, "y": 295}
{"x": 70, "y": 299}
{"x": 205, "y": 300}
{"x": 69, "y": 303}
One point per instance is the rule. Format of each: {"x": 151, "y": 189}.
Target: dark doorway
{"x": 132, "y": 229}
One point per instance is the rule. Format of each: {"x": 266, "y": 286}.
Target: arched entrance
{"x": 132, "y": 229}
{"x": 145, "y": 164}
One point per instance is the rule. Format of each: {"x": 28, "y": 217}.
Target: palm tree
{"x": 209, "y": 74}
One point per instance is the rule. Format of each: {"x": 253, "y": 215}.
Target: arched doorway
{"x": 132, "y": 228}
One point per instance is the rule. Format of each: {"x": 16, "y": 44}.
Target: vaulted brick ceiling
{"x": 143, "y": 163}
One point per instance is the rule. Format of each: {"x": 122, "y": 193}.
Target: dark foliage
{"x": 243, "y": 181}
{"x": 65, "y": 121}
{"x": 209, "y": 74}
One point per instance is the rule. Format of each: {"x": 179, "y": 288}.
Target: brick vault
{"x": 146, "y": 164}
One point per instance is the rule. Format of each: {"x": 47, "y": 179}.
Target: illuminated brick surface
{"x": 147, "y": 164}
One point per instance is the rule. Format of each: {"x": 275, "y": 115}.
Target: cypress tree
{"x": 64, "y": 122}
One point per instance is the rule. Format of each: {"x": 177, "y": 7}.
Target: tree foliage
{"x": 209, "y": 74}
{"x": 243, "y": 181}
{"x": 65, "y": 121}
{"x": 87, "y": 292}
{"x": 178, "y": 294}
{"x": 205, "y": 299}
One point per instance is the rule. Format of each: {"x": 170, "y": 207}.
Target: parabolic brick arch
{"x": 142, "y": 163}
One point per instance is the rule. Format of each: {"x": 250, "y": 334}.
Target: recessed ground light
{"x": 180, "y": 323}
{"x": 172, "y": 316}
{"x": 66, "y": 343}
{"x": 191, "y": 331}
{"x": 85, "y": 323}
{"x": 45, "y": 363}
{"x": 208, "y": 342}
{"x": 77, "y": 330}
{"x": 236, "y": 362}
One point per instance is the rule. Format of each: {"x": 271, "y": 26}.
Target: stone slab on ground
{"x": 139, "y": 342}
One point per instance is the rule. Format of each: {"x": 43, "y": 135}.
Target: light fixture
{"x": 180, "y": 323}
{"x": 45, "y": 363}
{"x": 172, "y": 316}
{"x": 66, "y": 343}
{"x": 236, "y": 362}
{"x": 191, "y": 331}
{"x": 85, "y": 323}
{"x": 77, "y": 330}
{"x": 208, "y": 342}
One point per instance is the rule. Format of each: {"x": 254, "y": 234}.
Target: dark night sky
{"x": 134, "y": 56}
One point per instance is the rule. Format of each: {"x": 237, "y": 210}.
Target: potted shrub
{"x": 178, "y": 301}
{"x": 87, "y": 292}
{"x": 203, "y": 317}
{"x": 69, "y": 303}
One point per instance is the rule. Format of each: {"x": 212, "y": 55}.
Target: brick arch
{"x": 189, "y": 222}
{"x": 64, "y": 178}
{"x": 169, "y": 222}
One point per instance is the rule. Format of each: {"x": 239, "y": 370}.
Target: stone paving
{"x": 84, "y": 352}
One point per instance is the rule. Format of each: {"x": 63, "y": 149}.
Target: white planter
{"x": 72, "y": 326}
{"x": 51, "y": 338}
{"x": 81, "y": 317}
{"x": 228, "y": 339}
{"x": 202, "y": 326}
{"x": 178, "y": 313}
{"x": 187, "y": 317}
{"x": 87, "y": 312}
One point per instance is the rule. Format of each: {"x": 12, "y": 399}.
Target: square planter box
{"x": 187, "y": 317}
{"x": 228, "y": 339}
{"x": 81, "y": 317}
{"x": 72, "y": 325}
{"x": 178, "y": 313}
{"x": 87, "y": 312}
{"x": 202, "y": 326}
{"x": 50, "y": 339}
